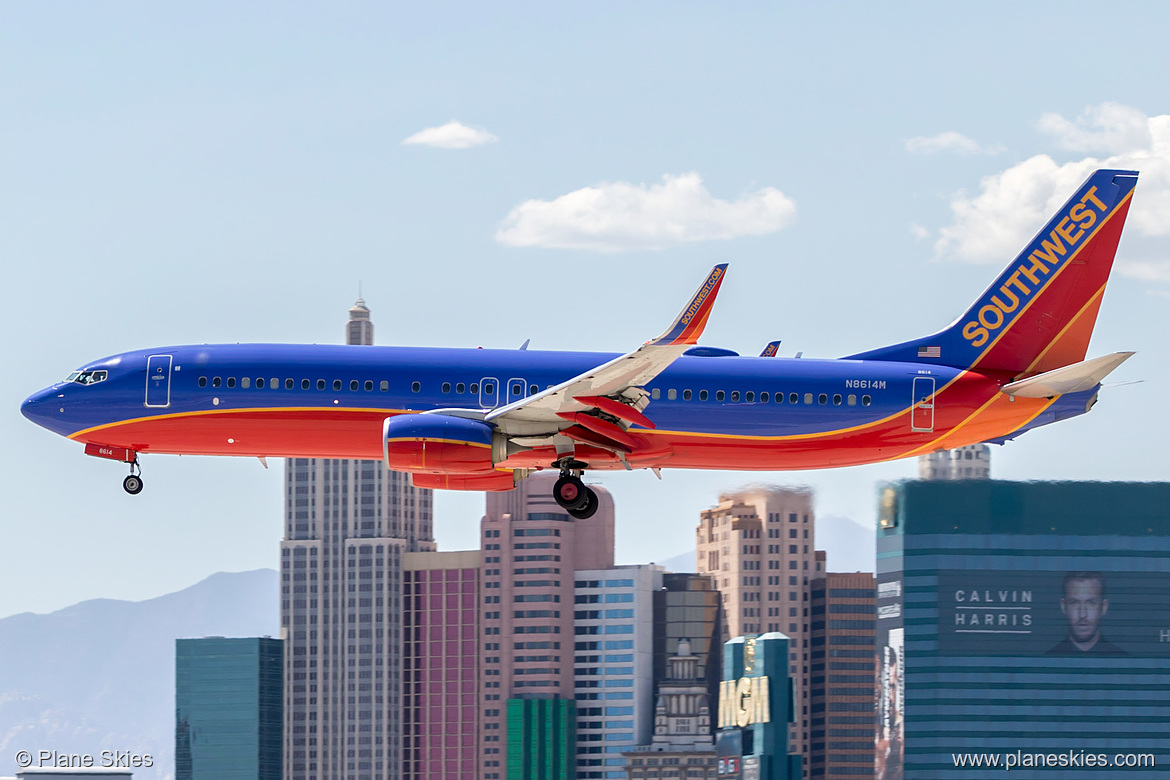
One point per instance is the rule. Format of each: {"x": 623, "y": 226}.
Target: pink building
{"x": 531, "y": 549}
{"x": 441, "y": 604}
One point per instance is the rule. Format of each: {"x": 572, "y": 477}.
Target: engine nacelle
{"x": 437, "y": 444}
{"x": 495, "y": 481}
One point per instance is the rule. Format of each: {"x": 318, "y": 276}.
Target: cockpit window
{"x": 86, "y": 377}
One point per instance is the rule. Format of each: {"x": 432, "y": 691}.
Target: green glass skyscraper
{"x": 228, "y": 709}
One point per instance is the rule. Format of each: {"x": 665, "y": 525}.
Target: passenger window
{"x": 655, "y": 394}
{"x": 702, "y": 395}
{"x": 517, "y": 389}
{"x": 460, "y": 387}
{"x": 305, "y": 384}
{"x": 851, "y": 400}
{"x": 415, "y": 387}
{"x": 719, "y": 395}
{"x": 215, "y": 382}
{"x": 446, "y": 387}
{"x": 734, "y": 396}
{"x": 336, "y": 384}
{"x": 671, "y": 394}
{"x": 686, "y": 395}
{"x": 865, "y": 400}
{"x": 320, "y": 384}
{"x": 764, "y": 397}
{"x": 274, "y": 383}
{"x": 353, "y": 385}
{"x": 808, "y": 398}
{"x": 822, "y": 399}
{"x": 231, "y": 381}
{"x": 245, "y": 382}
{"x": 837, "y": 400}
{"x": 259, "y": 381}
{"x": 474, "y": 388}
{"x": 532, "y": 389}
{"x": 487, "y": 389}
{"x": 794, "y": 398}
{"x": 288, "y": 384}
{"x": 750, "y": 397}
{"x": 203, "y": 381}
{"x": 384, "y": 386}
{"x": 369, "y": 385}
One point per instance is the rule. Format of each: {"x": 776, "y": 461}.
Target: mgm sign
{"x": 744, "y": 702}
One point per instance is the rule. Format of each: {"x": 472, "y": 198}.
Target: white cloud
{"x": 993, "y": 225}
{"x": 619, "y": 216}
{"x": 453, "y": 135}
{"x": 949, "y": 141}
{"x": 1110, "y": 128}
{"x": 919, "y": 232}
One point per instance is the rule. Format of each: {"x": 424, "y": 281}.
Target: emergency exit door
{"x": 158, "y": 380}
{"x": 922, "y": 417}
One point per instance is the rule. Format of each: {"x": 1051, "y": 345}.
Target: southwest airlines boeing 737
{"x": 480, "y": 419}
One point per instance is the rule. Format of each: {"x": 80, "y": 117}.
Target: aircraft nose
{"x": 38, "y": 406}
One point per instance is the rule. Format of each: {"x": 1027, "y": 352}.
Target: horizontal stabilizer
{"x": 1071, "y": 379}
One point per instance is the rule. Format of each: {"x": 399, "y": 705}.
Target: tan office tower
{"x": 531, "y": 549}
{"x": 758, "y": 545}
{"x": 347, "y": 525}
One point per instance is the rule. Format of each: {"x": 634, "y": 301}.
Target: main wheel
{"x": 590, "y": 507}
{"x": 132, "y": 484}
{"x": 570, "y": 493}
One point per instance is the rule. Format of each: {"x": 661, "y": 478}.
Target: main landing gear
{"x": 133, "y": 483}
{"x": 571, "y": 493}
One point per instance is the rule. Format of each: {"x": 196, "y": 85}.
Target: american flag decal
{"x": 929, "y": 352}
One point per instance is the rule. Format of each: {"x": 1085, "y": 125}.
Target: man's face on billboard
{"x": 1084, "y": 607}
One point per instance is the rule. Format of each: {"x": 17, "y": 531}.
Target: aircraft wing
{"x": 612, "y": 390}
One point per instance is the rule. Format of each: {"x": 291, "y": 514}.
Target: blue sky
{"x": 218, "y": 173}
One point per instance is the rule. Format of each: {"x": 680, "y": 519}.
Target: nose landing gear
{"x": 571, "y": 493}
{"x": 133, "y": 483}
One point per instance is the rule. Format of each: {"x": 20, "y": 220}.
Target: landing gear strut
{"x": 571, "y": 493}
{"x": 133, "y": 483}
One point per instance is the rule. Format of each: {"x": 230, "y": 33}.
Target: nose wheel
{"x": 572, "y": 494}
{"x": 133, "y": 483}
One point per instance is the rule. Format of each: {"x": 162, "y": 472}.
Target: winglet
{"x": 689, "y": 325}
{"x": 771, "y": 350}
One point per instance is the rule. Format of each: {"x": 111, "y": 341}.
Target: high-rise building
{"x": 614, "y": 665}
{"x": 440, "y": 682}
{"x": 970, "y": 462}
{"x": 688, "y": 608}
{"x": 755, "y": 710}
{"x": 1026, "y": 624}
{"x": 759, "y": 546}
{"x": 347, "y": 525}
{"x": 531, "y": 549}
{"x": 228, "y": 717}
{"x": 841, "y": 678}
{"x": 683, "y": 722}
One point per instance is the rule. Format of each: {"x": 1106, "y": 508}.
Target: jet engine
{"x": 437, "y": 444}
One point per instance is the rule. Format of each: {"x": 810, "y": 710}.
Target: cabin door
{"x": 922, "y": 416}
{"x": 158, "y": 380}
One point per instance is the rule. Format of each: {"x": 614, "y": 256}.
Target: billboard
{"x": 1072, "y": 613}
